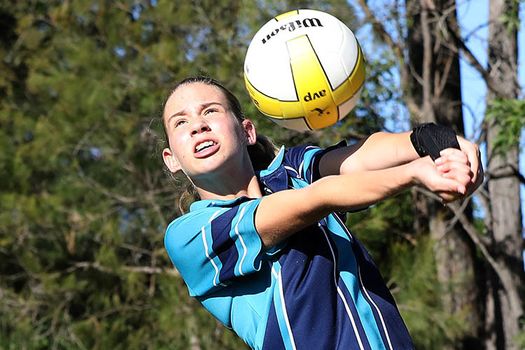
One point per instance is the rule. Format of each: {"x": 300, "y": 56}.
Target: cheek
{"x": 176, "y": 144}
{"x": 228, "y": 127}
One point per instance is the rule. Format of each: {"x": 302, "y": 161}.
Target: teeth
{"x": 203, "y": 145}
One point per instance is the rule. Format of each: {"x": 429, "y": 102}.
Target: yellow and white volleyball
{"x": 304, "y": 69}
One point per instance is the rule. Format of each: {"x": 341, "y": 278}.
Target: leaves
{"x": 84, "y": 200}
{"x": 509, "y": 116}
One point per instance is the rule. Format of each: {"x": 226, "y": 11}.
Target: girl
{"x": 266, "y": 251}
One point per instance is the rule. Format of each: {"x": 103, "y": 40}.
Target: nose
{"x": 198, "y": 126}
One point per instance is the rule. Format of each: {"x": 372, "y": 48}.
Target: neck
{"x": 229, "y": 182}
{"x": 249, "y": 187}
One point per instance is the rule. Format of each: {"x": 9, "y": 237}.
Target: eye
{"x": 210, "y": 110}
{"x": 179, "y": 122}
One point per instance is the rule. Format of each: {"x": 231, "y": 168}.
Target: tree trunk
{"x": 435, "y": 87}
{"x": 506, "y": 308}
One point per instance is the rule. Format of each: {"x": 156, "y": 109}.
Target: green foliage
{"x": 418, "y": 294}
{"x": 509, "y": 116}
{"x": 511, "y": 19}
{"x": 520, "y": 338}
{"x": 84, "y": 199}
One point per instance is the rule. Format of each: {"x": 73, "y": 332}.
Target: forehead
{"x": 194, "y": 94}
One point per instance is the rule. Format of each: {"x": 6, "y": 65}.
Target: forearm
{"x": 362, "y": 188}
{"x": 380, "y": 151}
{"x": 283, "y": 213}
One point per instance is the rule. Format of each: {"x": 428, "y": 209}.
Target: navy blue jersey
{"x": 319, "y": 289}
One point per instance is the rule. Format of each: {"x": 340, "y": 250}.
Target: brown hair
{"x": 261, "y": 153}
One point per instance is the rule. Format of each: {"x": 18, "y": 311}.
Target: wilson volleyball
{"x": 304, "y": 69}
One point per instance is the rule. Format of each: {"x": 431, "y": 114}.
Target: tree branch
{"x": 471, "y": 231}
{"x": 510, "y": 170}
{"x": 428, "y": 109}
{"x": 459, "y": 45}
{"x": 379, "y": 28}
{"x": 398, "y": 48}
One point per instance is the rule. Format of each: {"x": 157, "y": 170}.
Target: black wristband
{"x": 431, "y": 139}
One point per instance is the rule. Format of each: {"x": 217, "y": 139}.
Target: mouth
{"x": 206, "y": 148}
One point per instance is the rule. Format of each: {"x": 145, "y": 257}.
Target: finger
{"x": 454, "y": 155}
{"x": 474, "y": 184}
{"x": 451, "y": 151}
{"x": 474, "y": 156}
{"x": 461, "y": 178}
{"x": 456, "y": 167}
{"x": 447, "y": 197}
{"x": 444, "y": 184}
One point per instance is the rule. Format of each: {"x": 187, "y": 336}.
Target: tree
{"x": 84, "y": 200}
{"x": 499, "y": 241}
{"x": 430, "y": 79}
{"x": 506, "y": 283}
{"x": 434, "y": 86}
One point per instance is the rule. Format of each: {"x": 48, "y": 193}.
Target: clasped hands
{"x": 455, "y": 175}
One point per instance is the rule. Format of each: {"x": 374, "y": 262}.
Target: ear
{"x": 249, "y": 130}
{"x": 170, "y": 160}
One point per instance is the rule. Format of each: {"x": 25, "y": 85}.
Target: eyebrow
{"x": 202, "y": 106}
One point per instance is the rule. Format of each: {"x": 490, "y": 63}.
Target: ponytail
{"x": 262, "y": 152}
{"x": 188, "y": 195}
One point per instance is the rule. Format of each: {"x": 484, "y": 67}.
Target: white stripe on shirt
{"x": 285, "y": 313}
{"x": 340, "y": 292}
{"x": 362, "y": 285}
{"x": 203, "y": 235}
{"x": 245, "y": 250}
{"x": 376, "y": 307}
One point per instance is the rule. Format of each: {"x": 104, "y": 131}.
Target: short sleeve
{"x": 213, "y": 246}
{"x": 304, "y": 160}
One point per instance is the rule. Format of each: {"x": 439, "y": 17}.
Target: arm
{"x": 384, "y": 150}
{"x": 281, "y": 214}
{"x": 380, "y": 150}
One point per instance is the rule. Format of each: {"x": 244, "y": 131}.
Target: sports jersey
{"x": 319, "y": 289}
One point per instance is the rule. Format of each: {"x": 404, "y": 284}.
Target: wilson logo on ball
{"x": 291, "y": 26}
{"x": 304, "y": 69}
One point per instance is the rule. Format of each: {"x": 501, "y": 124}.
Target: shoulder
{"x": 193, "y": 219}
{"x": 214, "y": 242}
{"x": 298, "y": 153}
{"x": 301, "y": 161}
{"x": 184, "y": 228}
{"x": 207, "y": 216}
{"x": 294, "y": 157}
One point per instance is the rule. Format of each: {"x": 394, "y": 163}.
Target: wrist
{"x": 430, "y": 139}
{"x": 412, "y": 172}
{"x": 414, "y": 139}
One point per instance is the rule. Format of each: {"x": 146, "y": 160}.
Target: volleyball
{"x": 304, "y": 69}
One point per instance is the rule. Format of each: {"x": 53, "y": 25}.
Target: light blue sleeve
{"x": 213, "y": 246}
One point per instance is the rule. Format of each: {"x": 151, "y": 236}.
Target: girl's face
{"x": 203, "y": 134}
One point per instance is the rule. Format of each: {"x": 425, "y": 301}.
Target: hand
{"x": 454, "y": 164}
{"x": 473, "y": 154}
{"x": 448, "y": 177}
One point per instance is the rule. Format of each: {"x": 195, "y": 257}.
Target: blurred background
{"x": 85, "y": 199}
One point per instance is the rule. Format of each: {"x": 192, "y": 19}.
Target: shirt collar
{"x": 275, "y": 164}
{"x": 277, "y": 180}
{"x": 218, "y": 203}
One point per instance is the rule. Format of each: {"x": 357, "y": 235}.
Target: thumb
{"x": 442, "y": 184}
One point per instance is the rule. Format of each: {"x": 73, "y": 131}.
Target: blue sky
{"x": 473, "y": 15}
{"x": 473, "y": 20}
